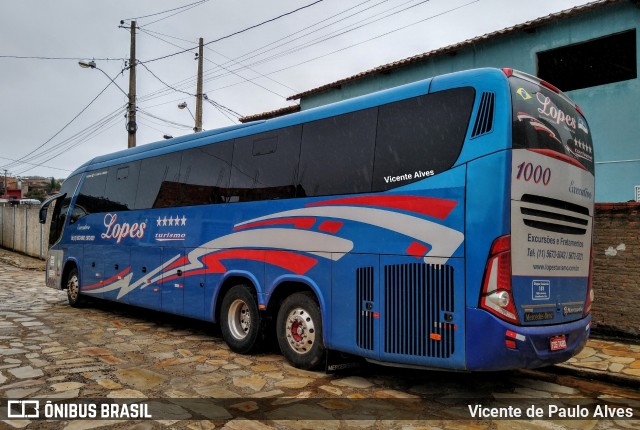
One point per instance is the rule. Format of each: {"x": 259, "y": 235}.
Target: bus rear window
{"x": 544, "y": 120}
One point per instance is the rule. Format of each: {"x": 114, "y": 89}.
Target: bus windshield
{"x": 545, "y": 120}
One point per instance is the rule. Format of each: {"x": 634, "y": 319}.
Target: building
{"x": 13, "y": 188}
{"x": 590, "y": 52}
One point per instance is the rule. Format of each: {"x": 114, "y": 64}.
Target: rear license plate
{"x": 558, "y": 343}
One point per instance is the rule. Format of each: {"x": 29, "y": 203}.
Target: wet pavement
{"x": 50, "y": 351}
{"x": 608, "y": 360}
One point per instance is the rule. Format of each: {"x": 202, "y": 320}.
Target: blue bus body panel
{"x": 487, "y": 193}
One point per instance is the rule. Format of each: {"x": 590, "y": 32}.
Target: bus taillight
{"x": 550, "y": 86}
{"x": 589, "y": 299}
{"x": 496, "y": 296}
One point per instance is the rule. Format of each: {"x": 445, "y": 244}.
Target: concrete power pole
{"x": 132, "y": 126}
{"x": 198, "y": 126}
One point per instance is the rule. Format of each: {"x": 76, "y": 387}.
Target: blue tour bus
{"x": 444, "y": 224}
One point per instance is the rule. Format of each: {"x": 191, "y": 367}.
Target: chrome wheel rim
{"x": 239, "y": 319}
{"x": 300, "y": 331}
{"x": 73, "y": 288}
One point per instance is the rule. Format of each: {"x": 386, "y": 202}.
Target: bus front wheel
{"x": 76, "y": 300}
{"x": 299, "y": 331}
{"x": 240, "y": 320}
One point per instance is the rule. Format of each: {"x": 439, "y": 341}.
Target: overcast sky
{"x": 247, "y": 73}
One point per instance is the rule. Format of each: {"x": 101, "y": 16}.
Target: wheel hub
{"x": 73, "y": 287}
{"x": 301, "y": 332}
{"x": 239, "y": 319}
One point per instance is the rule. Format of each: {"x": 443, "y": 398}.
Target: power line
{"x": 33, "y": 57}
{"x": 78, "y": 138}
{"x": 83, "y": 136}
{"x": 237, "y": 32}
{"x": 215, "y": 104}
{"x": 262, "y": 48}
{"x": 375, "y": 37}
{"x": 189, "y": 81}
{"x": 165, "y": 11}
{"x": 229, "y": 60}
{"x": 173, "y": 14}
{"x": 39, "y": 165}
{"x": 344, "y": 48}
{"x": 164, "y": 83}
{"x": 219, "y": 106}
{"x": 340, "y": 32}
{"x": 177, "y": 124}
{"x": 65, "y": 126}
{"x": 306, "y": 44}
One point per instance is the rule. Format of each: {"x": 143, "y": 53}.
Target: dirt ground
{"x": 23, "y": 261}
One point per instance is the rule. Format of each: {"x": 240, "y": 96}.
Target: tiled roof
{"x": 529, "y": 25}
{"x": 271, "y": 114}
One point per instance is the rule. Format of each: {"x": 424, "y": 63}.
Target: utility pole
{"x": 5, "y": 182}
{"x": 198, "y": 126}
{"x": 132, "y": 126}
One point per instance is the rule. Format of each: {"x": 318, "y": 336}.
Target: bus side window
{"x": 91, "y": 197}
{"x": 158, "y": 183}
{"x": 344, "y": 144}
{"x": 122, "y": 183}
{"x": 265, "y": 165}
{"x": 421, "y": 136}
{"x": 204, "y": 174}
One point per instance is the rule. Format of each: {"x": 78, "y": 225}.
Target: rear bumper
{"x": 486, "y": 348}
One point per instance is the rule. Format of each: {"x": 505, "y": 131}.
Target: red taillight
{"x": 550, "y": 86}
{"x": 507, "y": 71}
{"x": 496, "y": 296}
{"x": 589, "y": 299}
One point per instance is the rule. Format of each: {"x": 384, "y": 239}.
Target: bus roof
{"x": 354, "y": 104}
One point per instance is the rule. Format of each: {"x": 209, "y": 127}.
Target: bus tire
{"x": 240, "y": 320}
{"x": 74, "y": 297}
{"x": 299, "y": 331}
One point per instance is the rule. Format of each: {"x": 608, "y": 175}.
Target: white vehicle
{"x": 30, "y": 202}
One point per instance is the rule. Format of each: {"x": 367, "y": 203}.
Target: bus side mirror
{"x": 42, "y": 215}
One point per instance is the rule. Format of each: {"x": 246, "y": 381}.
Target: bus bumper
{"x": 488, "y": 349}
{"x": 53, "y": 269}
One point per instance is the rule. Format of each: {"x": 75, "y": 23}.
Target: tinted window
{"x": 420, "y": 137}
{"x": 158, "y": 183}
{"x": 62, "y": 208}
{"x": 122, "y": 183}
{"x": 91, "y": 197}
{"x": 204, "y": 174}
{"x": 544, "y": 120}
{"x": 265, "y": 166}
{"x": 337, "y": 154}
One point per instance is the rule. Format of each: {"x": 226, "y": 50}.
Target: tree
{"x": 52, "y": 186}
{"x": 35, "y": 194}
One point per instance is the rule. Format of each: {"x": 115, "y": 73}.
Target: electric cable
{"x": 236, "y": 33}
{"x": 66, "y": 125}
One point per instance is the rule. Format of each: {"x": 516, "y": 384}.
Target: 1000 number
{"x": 528, "y": 171}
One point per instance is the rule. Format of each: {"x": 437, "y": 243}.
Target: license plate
{"x": 558, "y": 343}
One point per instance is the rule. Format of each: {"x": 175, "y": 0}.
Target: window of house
{"x": 600, "y": 61}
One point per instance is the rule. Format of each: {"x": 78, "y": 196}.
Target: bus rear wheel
{"x": 74, "y": 297}
{"x": 240, "y": 320}
{"x": 299, "y": 331}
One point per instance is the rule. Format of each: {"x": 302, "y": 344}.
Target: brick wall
{"x": 616, "y": 283}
